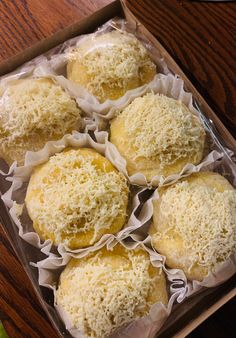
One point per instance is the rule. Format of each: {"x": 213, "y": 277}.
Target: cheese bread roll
{"x": 157, "y": 135}
{"x": 76, "y": 197}
{"x": 194, "y": 224}
{"x": 110, "y": 64}
{"x": 108, "y": 289}
{"x": 32, "y": 112}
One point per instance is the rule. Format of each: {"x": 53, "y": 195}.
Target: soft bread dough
{"x": 32, "y": 112}
{"x": 195, "y": 199}
{"x": 76, "y": 197}
{"x": 108, "y": 289}
{"x": 110, "y": 64}
{"x": 157, "y": 135}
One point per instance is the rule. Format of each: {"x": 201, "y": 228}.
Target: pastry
{"x": 157, "y": 135}
{"x": 108, "y": 289}
{"x": 32, "y": 112}
{"x": 194, "y": 224}
{"x": 109, "y": 64}
{"x": 76, "y": 197}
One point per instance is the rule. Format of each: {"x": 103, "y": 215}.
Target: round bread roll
{"x": 32, "y": 112}
{"x": 108, "y": 289}
{"x": 77, "y": 197}
{"x": 157, "y": 135}
{"x": 110, "y": 64}
{"x": 194, "y": 224}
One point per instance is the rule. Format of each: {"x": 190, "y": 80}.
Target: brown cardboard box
{"x": 192, "y": 312}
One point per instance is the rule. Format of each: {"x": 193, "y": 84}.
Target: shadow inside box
{"x": 191, "y": 308}
{"x": 4, "y": 184}
{"x": 219, "y": 325}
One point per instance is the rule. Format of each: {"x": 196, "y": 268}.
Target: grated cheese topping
{"x": 204, "y": 218}
{"x": 107, "y": 290}
{"x": 163, "y": 128}
{"x": 115, "y": 60}
{"x": 32, "y": 107}
{"x": 76, "y": 191}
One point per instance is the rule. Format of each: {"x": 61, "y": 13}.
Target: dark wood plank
{"x": 20, "y": 311}
{"x": 199, "y": 36}
{"x": 25, "y": 22}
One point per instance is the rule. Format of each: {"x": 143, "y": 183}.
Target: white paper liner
{"x": 145, "y": 327}
{"x": 160, "y": 180}
{"x": 21, "y": 177}
{"x": 223, "y": 272}
{"x": 10, "y": 169}
{"x": 169, "y": 85}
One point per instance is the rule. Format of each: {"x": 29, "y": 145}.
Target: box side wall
{"x": 86, "y": 26}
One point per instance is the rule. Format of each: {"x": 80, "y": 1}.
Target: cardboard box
{"x": 191, "y": 312}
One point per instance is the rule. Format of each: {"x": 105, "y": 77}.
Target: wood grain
{"x": 201, "y": 39}
{"x": 20, "y": 311}
{"x": 199, "y": 36}
{"x": 25, "y": 22}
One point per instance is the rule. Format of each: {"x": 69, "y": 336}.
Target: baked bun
{"x": 32, "y": 112}
{"x": 109, "y": 64}
{"x": 77, "y": 197}
{"x": 108, "y": 289}
{"x": 194, "y": 224}
{"x": 157, "y": 135}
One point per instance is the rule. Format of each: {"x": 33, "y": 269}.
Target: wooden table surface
{"x": 199, "y": 36}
